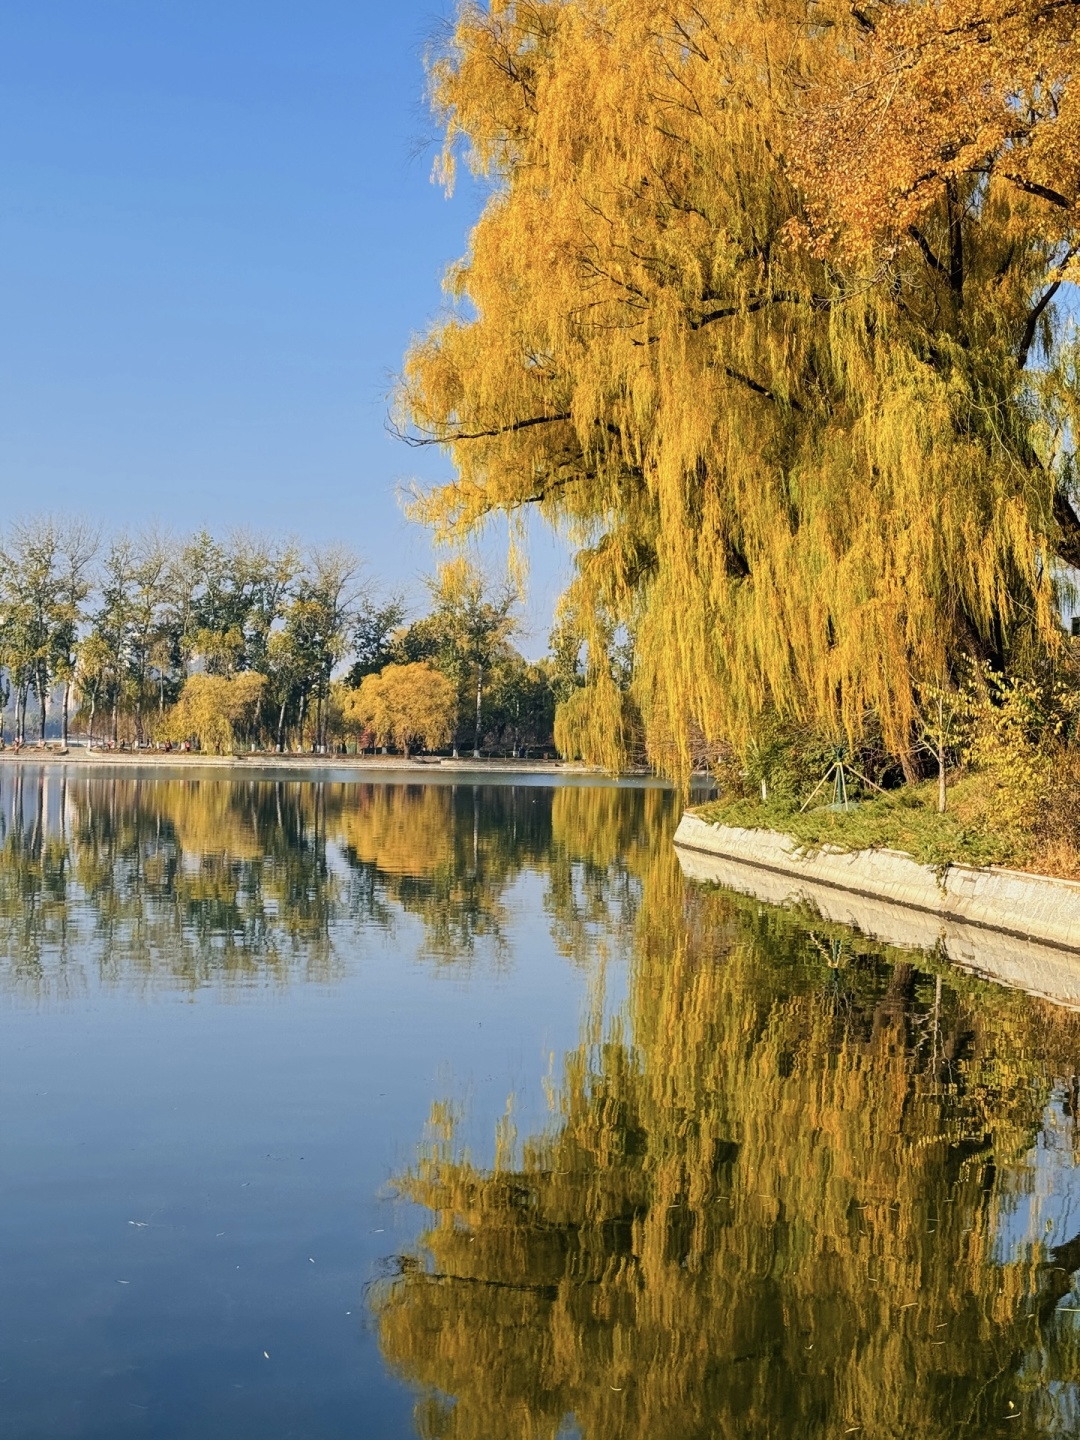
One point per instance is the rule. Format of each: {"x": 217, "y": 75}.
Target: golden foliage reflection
{"x": 789, "y": 1191}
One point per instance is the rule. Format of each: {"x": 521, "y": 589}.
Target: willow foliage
{"x": 931, "y": 96}
{"x": 804, "y": 480}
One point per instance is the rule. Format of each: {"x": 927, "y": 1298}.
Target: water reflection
{"x": 797, "y": 1184}
{"x": 801, "y": 1186}
{"x": 198, "y": 879}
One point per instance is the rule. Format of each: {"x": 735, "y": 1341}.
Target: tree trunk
{"x": 941, "y": 793}
{"x": 43, "y": 701}
{"x": 64, "y": 714}
{"x": 90, "y": 722}
{"x": 479, "y": 697}
{"x": 281, "y": 726}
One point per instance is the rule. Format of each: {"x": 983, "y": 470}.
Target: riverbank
{"x": 1048, "y": 971}
{"x": 970, "y": 832}
{"x": 499, "y": 769}
{"x": 1030, "y": 908}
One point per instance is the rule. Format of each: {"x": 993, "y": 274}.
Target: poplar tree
{"x": 807, "y": 477}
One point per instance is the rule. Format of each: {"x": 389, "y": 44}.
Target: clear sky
{"x": 216, "y": 238}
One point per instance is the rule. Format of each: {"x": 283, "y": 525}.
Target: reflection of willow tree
{"x": 771, "y": 1205}
{"x": 450, "y": 855}
{"x": 601, "y": 838}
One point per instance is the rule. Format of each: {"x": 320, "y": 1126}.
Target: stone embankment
{"x": 1023, "y": 930}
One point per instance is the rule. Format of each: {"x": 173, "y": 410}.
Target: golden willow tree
{"x": 806, "y": 469}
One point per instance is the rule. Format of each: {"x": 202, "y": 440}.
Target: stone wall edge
{"x": 1009, "y": 902}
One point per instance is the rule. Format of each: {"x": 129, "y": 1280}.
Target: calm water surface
{"x": 452, "y": 1111}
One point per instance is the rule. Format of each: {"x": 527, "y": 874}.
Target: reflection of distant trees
{"x": 450, "y": 855}
{"x": 187, "y": 878}
{"x": 771, "y": 1205}
{"x": 196, "y": 878}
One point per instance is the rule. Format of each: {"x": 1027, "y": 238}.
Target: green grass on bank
{"x": 905, "y": 820}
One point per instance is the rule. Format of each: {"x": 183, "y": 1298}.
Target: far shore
{"x": 78, "y": 755}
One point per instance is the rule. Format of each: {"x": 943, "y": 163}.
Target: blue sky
{"x": 216, "y": 238}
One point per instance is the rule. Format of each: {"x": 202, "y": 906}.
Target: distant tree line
{"x": 245, "y": 642}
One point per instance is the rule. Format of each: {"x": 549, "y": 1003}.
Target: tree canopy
{"x": 807, "y": 469}
{"x": 406, "y": 706}
{"x": 153, "y": 638}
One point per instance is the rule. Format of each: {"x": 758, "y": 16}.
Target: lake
{"x": 345, "y": 1109}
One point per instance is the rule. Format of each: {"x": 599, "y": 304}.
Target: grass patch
{"x": 905, "y": 820}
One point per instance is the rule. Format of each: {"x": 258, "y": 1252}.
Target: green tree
{"x": 78, "y": 550}
{"x": 375, "y": 637}
{"x": 94, "y": 676}
{"x": 520, "y": 711}
{"x": 44, "y": 577}
{"x": 111, "y": 630}
{"x": 148, "y": 644}
{"x": 466, "y": 634}
{"x": 317, "y": 624}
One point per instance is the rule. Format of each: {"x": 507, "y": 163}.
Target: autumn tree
{"x": 944, "y": 150}
{"x": 407, "y": 706}
{"x": 804, "y": 476}
{"x": 93, "y": 678}
{"x": 932, "y": 111}
{"x": 211, "y": 708}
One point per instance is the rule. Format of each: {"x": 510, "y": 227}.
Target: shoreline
{"x": 1032, "y": 909}
{"x": 1047, "y": 971}
{"x": 77, "y": 757}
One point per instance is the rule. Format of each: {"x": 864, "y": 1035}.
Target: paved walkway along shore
{"x": 429, "y": 765}
{"x": 1021, "y": 929}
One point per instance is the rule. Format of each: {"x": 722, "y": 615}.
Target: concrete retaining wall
{"x": 1043, "y": 970}
{"x": 1026, "y": 907}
